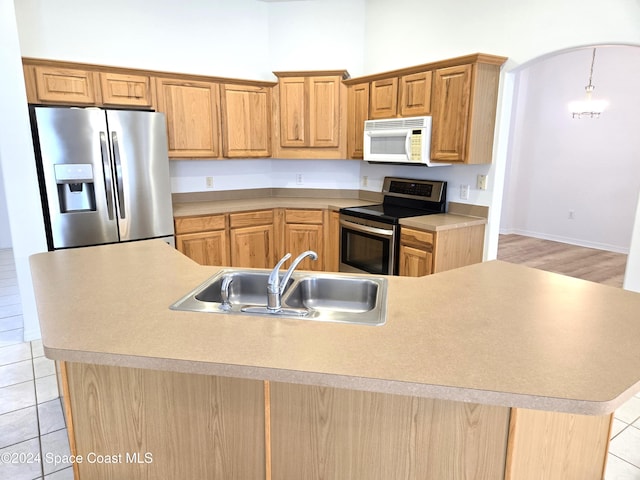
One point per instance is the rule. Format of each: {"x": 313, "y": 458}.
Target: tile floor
{"x": 32, "y": 425}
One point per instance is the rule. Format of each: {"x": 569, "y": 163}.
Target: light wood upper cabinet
{"x": 65, "y": 86}
{"x": 310, "y": 109}
{"x": 246, "y": 121}
{"x": 452, "y": 98}
{"x": 461, "y": 95}
{"x": 415, "y": 94}
{"x": 324, "y": 111}
{"x": 384, "y": 98}
{"x": 294, "y": 121}
{"x": 357, "y": 114}
{"x": 132, "y": 90}
{"x": 403, "y": 96}
{"x": 464, "y": 111}
{"x": 192, "y": 115}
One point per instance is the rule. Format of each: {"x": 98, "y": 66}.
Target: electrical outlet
{"x": 572, "y": 215}
{"x": 299, "y": 179}
{"x": 209, "y": 182}
{"x": 365, "y": 181}
{"x": 482, "y": 182}
{"x": 464, "y": 192}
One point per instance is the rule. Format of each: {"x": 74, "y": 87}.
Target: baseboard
{"x": 571, "y": 241}
{"x": 31, "y": 335}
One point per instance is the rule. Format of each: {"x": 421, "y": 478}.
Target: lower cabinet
{"x": 423, "y": 253}
{"x": 204, "y": 426}
{"x": 329, "y": 433}
{"x": 416, "y": 253}
{"x": 332, "y": 244}
{"x": 304, "y": 230}
{"x": 258, "y": 239}
{"x": 204, "y": 239}
{"x": 252, "y": 236}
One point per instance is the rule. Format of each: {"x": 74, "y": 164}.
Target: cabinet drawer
{"x": 199, "y": 224}
{"x": 418, "y": 238}
{"x": 119, "y": 89}
{"x": 303, "y": 216}
{"x": 262, "y": 217}
{"x": 65, "y": 85}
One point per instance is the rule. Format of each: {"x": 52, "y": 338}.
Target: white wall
{"x": 5, "y": 229}
{"x": 317, "y": 35}
{"x": 408, "y": 32}
{"x": 18, "y": 167}
{"x": 632, "y": 274}
{"x": 189, "y": 175}
{"x": 559, "y": 164}
{"x": 209, "y": 37}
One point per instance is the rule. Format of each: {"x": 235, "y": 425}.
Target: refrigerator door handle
{"x": 119, "y": 179}
{"x": 108, "y": 181}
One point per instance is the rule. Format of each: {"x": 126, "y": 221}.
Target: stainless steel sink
{"x": 335, "y": 294}
{"x": 246, "y": 288}
{"x": 345, "y": 298}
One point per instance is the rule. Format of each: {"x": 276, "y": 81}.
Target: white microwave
{"x": 399, "y": 140}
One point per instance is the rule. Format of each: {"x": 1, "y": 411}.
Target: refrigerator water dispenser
{"x": 76, "y": 192}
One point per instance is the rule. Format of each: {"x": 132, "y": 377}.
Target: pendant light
{"x": 588, "y": 107}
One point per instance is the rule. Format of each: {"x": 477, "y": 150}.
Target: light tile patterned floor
{"x": 32, "y": 427}
{"x": 32, "y": 423}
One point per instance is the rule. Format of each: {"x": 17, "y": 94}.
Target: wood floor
{"x": 587, "y": 263}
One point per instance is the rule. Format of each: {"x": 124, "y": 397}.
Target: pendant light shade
{"x": 588, "y": 107}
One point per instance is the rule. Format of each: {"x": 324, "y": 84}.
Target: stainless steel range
{"x": 370, "y": 235}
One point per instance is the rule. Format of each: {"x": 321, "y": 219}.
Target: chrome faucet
{"x": 224, "y": 293}
{"x": 276, "y": 286}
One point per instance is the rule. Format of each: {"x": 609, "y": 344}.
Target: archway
{"x": 574, "y": 180}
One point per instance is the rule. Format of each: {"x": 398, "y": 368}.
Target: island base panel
{"x": 193, "y": 426}
{"x": 328, "y": 433}
{"x": 554, "y": 445}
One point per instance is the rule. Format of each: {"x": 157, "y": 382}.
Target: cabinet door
{"x": 332, "y": 244}
{"x": 65, "y": 86}
{"x": 324, "y": 111}
{"x": 358, "y": 112}
{"x": 191, "y": 109}
{"x": 302, "y": 237}
{"x": 253, "y": 247}
{"x": 384, "y": 98}
{"x": 451, "y": 101}
{"x": 246, "y": 121}
{"x": 130, "y": 90}
{"x": 414, "y": 262}
{"x": 294, "y": 129}
{"x": 206, "y": 248}
{"x": 415, "y": 94}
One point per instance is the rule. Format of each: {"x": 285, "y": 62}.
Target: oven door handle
{"x": 367, "y": 229}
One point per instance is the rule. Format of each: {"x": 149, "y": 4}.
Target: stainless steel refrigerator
{"x": 104, "y": 175}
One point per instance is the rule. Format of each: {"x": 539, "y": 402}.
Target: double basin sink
{"x": 325, "y": 297}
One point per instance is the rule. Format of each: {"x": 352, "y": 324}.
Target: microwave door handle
{"x": 407, "y": 146}
{"x": 106, "y": 167}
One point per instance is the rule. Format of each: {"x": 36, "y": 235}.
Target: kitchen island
{"x": 489, "y": 371}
